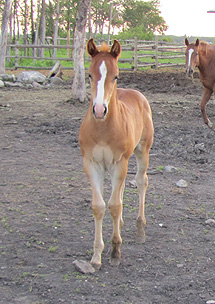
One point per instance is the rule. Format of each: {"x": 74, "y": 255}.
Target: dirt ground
{"x": 46, "y": 220}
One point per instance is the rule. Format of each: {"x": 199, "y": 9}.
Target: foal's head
{"x": 103, "y": 74}
{"x": 192, "y": 56}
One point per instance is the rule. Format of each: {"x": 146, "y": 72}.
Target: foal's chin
{"x": 99, "y": 118}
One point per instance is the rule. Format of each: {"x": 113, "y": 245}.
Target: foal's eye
{"x": 116, "y": 77}
{"x": 90, "y": 77}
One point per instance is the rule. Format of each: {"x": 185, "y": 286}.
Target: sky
{"x": 189, "y": 17}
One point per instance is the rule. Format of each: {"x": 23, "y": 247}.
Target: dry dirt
{"x": 46, "y": 220}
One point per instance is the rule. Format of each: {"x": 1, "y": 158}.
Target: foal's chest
{"x": 104, "y": 155}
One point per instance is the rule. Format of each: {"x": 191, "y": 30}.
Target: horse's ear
{"x": 115, "y": 49}
{"x": 197, "y": 41}
{"x": 186, "y": 41}
{"x": 91, "y": 48}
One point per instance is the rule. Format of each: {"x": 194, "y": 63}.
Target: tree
{"x": 3, "y": 37}
{"x": 144, "y": 14}
{"x": 78, "y": 85}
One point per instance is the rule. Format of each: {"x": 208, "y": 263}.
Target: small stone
{"x": 210, "y": 222}
{"x": 84, "y": 266}
{"x": 1, "y": 84}
{"x": 170, "y": 169}
{"x": 180, "y": 265}
{"x": 182, "y": 183}
{"x": 210, "y": 302}
{"x": 133, "y": 183}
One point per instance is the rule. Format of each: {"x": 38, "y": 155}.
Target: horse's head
{"x": 103, "y": 74}
{"x": 192, "y": 57}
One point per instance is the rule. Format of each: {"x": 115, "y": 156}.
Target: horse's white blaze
{"x": 101, "y": 85}
{"x": 189, "y": 56}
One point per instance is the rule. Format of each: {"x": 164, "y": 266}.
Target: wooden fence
{"x": 136, "y": 55}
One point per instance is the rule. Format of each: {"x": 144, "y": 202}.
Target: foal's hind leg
{"x": 142, "y": 156}
{"x": 205, "y": 98}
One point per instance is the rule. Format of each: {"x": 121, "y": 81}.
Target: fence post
{"x": 16, "y": 55}
{"x": 156, "y": 52}
{"x": 135, "y": 55}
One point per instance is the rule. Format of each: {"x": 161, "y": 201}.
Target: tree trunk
{"x": 3, "y": 38}
{"x": 78, "y": 86}
{"x": 32, "y": 23}
{"x": 89, "y": 22}
{"x": 25, "y": 25}
{"x": 35, "y": 51}
{"x": 56, "y": 28}
{"x": 42, "y": 27}
{"x": 68, "y": 40}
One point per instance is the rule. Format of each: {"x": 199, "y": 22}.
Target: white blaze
{"x": 189, "y": 56}
{"x": 101, "y": 85}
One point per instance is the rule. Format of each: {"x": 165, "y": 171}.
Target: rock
{"x": 170, "y": 169}
{"x": 199, "y": 148}
{"x": 56, "y": 80}
{"x": 133, "y": 183}
{"x": 182, "y": 183}
{"x": 1, "y": 84}
{"x": 84, "y": 266}
{"x": 210, "y": 222}
{"x": 7, "y": 77}
{"x": 28, "y": 77}
{"x": 13, "y": 84}
{"x": 36, "y": 85}
{"x": 210, "y": 302}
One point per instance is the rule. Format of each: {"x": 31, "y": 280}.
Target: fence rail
{"x": 136, "y": 55}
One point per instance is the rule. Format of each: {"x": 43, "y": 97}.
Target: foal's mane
{"x": 104, "y": 47}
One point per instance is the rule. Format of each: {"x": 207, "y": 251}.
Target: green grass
{"x": 62, "y": 53}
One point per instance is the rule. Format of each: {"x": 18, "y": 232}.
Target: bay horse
{"x": 202, "y": 55}
{"x": 117, "y": 123}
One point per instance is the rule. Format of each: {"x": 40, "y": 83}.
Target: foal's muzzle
{"x": 100, "y": 111}
{"x": 189, "y": 72}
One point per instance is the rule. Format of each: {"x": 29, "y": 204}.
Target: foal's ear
{"x": 197, "y": 41}
{"x": 91, "y": 48}
{"x": 115, "y": 49}
{"x": 186, "y": 41}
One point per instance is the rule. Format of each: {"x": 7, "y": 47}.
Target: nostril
{"x": 105, "y": 110}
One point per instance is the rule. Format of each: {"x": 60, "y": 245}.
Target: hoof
{"x": 141, "y": 237}
{"x": 115, "y": 261}
{"x": 210, "y": 125}
{"x": 96, "y": 266}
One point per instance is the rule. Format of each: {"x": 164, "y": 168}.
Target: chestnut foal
{"x": 117, "y": 123}
{"x": 202, "y": 55}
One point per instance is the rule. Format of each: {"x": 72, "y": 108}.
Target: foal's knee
{"x": 115, "y": 210}
{"x": 98, "y": 210}
{"x": 142, "y": 180}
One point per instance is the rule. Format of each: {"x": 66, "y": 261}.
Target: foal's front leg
{"x": 118, "y": 175}
{"x": 95, "y": 173}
